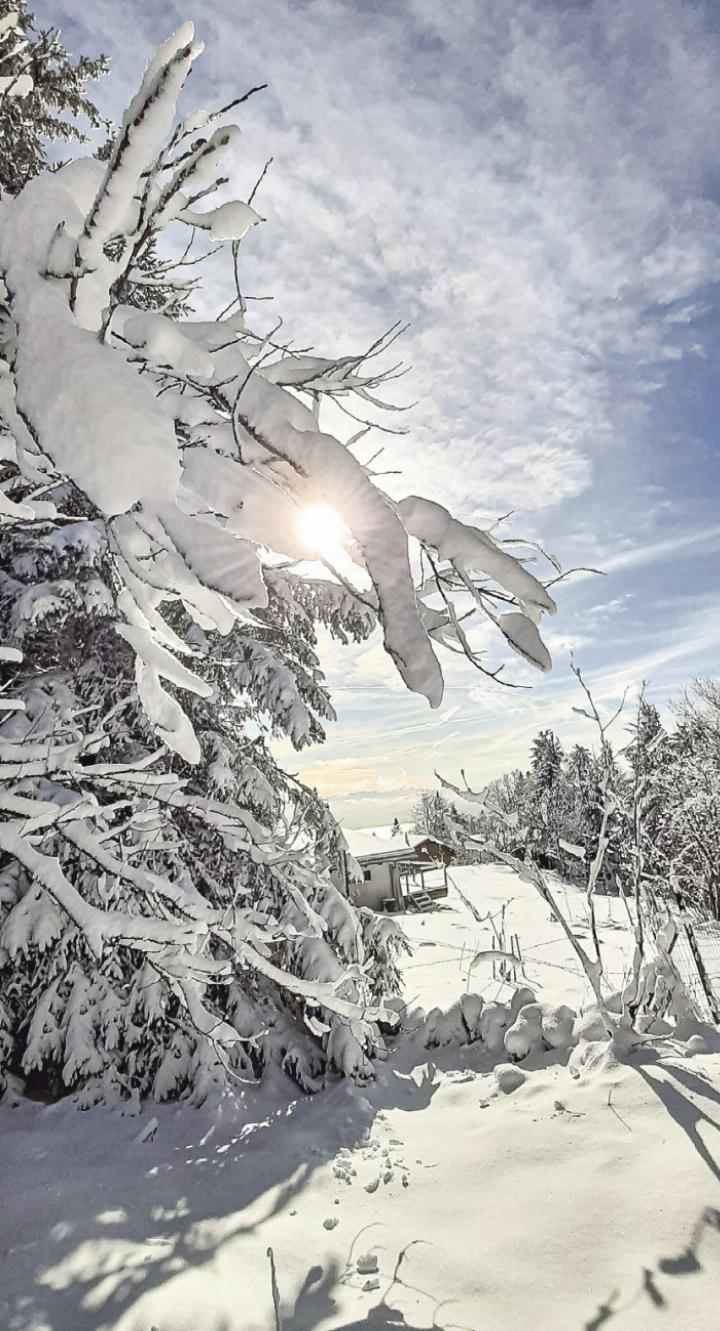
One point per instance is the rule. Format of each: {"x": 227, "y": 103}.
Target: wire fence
{"x": 694, "y": 950}
{"x": 696, "y": 954}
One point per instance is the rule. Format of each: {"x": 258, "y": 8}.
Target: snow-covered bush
{"x": 517, "y": 1028}
{"x": 526, "y": 1034}
{"x": 168, "y": 921}
{"x": 460, "y": 1024}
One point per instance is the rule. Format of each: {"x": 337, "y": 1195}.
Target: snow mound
{"x": 494, "y": 1022}
{"x": 519, "y": 1000}
{"x": 525, "y": 1034}
{"x": 509, "y": 1077}
{"x": 590, "y": 1025}
{"x": 518, "y": 1028}
{"x": 558, "y": 1026}
{"x": 444, "y": 1028}
{"x": 538, "y": 1026}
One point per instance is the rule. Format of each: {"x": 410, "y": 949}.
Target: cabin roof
{"x": 378, "y": 843}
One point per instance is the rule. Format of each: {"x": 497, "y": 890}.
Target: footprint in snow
{"x": 344, "y": 1172}
{"x": 331, "y": 1223}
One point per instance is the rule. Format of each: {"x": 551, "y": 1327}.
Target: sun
{"x": 321, "y": 530}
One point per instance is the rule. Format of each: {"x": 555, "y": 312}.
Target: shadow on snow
{"x": 101, "y": 1219}
{"x": 688, "y": 1116}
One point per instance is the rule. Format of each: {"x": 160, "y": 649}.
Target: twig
{"x": 613, "y": 1110}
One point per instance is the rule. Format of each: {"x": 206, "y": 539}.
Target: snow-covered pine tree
{"x": 579, "y": 810}
{"x": 434, "y": 815}
{"x": 168, "y": 918}
{"x": 544, "y": 807}
{"x": 43, "y": 94}
{"x": 681, "y": 796}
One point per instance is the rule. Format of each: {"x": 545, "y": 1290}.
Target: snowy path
{"x": 581, "y": 1203}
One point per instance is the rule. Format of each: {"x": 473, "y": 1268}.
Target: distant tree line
{"x": 658, "y": 795}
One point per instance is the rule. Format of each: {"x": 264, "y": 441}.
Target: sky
{"x": 535, "y": 188}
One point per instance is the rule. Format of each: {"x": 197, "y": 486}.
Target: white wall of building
{"x": 373, "y": 891}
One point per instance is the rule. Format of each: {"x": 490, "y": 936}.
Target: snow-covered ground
{"x": 579, "y": 1201}
{"x": 446, "y": 941}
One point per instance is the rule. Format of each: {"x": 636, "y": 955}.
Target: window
{"x": 367, "y": 875}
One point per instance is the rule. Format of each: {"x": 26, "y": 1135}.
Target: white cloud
{"x": 356, "y": 776}
{"x": 528, "y": 183}
{"x": 524, "y": 182}
{"x": 373, "y": 667}
{"x": 655, "y": 551}
{"x": 565, "y": 644}
{"x": 691, "y": 642}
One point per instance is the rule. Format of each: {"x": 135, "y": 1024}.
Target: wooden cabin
{"x": 393, "y": 872}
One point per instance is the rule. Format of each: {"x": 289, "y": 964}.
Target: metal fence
{"x": 696, "y": 954}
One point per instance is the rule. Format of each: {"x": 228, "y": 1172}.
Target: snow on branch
{"x": 147, "y": 120}
{"x": 99, "y": 927}
{"x": 173, "y": 630}
{"x": 129, "y": 445}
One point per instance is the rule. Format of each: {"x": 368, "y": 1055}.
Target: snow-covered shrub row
{"x": 168, "y": 923}
{"x": 522, "y": 1027}
{"x": 517, "y": 1028}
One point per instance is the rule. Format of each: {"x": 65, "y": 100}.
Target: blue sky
{"x": 536, "y": 187}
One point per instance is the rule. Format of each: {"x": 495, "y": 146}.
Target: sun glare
{"x": 321, "y": 530}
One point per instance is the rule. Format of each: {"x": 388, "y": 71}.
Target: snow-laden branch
{"x": 148, "y": 883}
{"x": 147, "y": 120}
{"x": 179, "y": 612}
{"x": 282, "y": 458}
{"x": 100, "y": 928}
